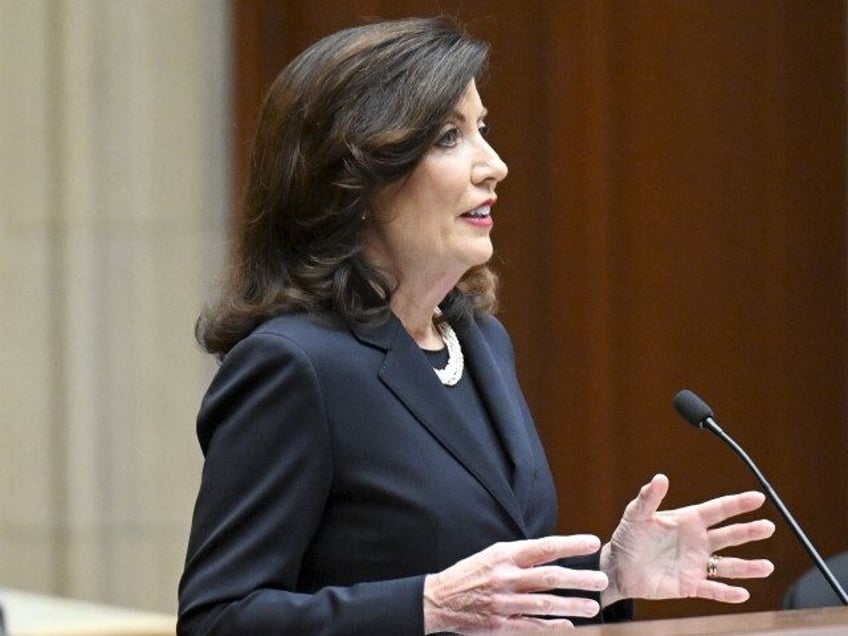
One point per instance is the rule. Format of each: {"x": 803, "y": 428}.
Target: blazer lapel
{"x": 500, "y": 395}
{"x": 406, "y": 373}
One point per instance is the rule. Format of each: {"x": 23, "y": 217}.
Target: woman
{"x": 371, "y": 466}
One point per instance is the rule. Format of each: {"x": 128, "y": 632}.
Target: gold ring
{"x": 712, "y": 566}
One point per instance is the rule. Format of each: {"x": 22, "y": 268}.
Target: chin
{"x": 480, "y": 254}
{"x": 475, "y": 258}
{"x": 484, "y": 255}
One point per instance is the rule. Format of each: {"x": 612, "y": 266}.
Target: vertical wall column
{"x": 27, "y": 517}
{"x": 113, "y": 203}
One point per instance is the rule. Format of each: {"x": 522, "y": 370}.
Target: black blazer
{"x": 336, "y": 477}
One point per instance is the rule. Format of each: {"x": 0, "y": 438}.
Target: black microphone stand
{"x": 713, "y": 426}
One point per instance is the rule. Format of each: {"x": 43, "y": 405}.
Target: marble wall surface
{"x": 114, "y": 193}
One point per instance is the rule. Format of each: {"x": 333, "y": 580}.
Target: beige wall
{"x": 114, "y": 188}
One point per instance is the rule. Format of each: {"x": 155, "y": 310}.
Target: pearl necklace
{"x": 452, "y": 372}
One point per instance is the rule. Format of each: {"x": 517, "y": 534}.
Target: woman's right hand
{"x": 505, "y": 589}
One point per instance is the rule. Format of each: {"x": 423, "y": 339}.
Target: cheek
{"x": 440, "y": 183}
{"x": 423, "y": 211}
{"x": 406, "y": 234}
{"x": 426, "y": 218}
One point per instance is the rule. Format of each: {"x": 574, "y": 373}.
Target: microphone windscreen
{"x": 693, "y": 409}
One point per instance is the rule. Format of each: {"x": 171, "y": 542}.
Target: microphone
{"x": 695, "y": 411}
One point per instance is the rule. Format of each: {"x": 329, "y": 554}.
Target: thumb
{"x": 648, "y": 500}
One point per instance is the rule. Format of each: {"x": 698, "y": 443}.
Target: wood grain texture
{"x": 674, "y": 217}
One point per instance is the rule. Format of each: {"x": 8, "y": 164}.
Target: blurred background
{"x": 675, "y": 216}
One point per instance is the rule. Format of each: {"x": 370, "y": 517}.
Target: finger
{"x": 553, "y": 577}
{"x": 739, "y": 534}
{"x": 719, "y": 509}
{"x": 532, "y": 552}
{"x": 536, "y": 605}
{"x": 716, "y": 591}
{"x": 529, "y": 625}
{"x": 732, "y": 568}
{"x": 648, "y": 500}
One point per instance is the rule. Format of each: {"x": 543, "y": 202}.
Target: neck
{"x": 416, "y": 298}
{"x": 417, "y": 319}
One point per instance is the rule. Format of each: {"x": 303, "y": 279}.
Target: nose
{"x": 488, "y": 166}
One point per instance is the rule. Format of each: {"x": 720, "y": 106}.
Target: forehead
{"x": 470, "y": 104}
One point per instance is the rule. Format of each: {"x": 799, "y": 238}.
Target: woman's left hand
{"x": 664, "y": 554}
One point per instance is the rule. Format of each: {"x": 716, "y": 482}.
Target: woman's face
{"x": 435, "y": 225}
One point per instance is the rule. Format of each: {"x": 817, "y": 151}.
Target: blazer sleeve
{"x": 267, "y": 474}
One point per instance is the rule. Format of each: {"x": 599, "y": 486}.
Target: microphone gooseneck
{"x": 695, "y": 411}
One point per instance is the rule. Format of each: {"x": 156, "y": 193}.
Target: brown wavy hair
{"x": 351, "y": 114}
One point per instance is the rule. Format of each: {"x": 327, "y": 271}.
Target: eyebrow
{"x": 459, "y": 116}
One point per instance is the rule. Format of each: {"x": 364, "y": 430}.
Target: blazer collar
{"x": 405, "y": 372}
{"x": 380, "y": 335}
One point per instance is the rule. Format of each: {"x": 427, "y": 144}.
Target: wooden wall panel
{"x": 674, "y": 216}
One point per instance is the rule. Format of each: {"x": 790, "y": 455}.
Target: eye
{"x": 449, "y": 138}
{"x": 484, "y": 129}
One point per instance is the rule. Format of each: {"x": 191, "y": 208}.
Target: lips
{"x": 480, "y": 212}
